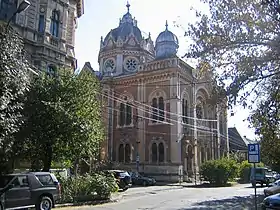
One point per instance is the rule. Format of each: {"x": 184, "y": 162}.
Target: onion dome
{"x": 167, "y": 44}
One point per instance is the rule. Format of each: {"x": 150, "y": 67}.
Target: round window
{"x": 131, "y": 64}
{"x": 109, "y": 65}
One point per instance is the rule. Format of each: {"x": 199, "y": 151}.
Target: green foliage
{"x": 87, "y": 188}
{"x": 14, "y": 82}
{"x": 219, "y": 172}
{"x": 240, "y": 41}
{"x": 63, "y": 119}
{"x": 266, "y": 120}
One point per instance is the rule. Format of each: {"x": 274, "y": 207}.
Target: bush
{"x": 244, "y": 170}
{"x": 87, "y": 188}
{"x": 219, "y": 172}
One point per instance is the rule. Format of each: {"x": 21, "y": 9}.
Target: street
{"x": 238, "y": 197}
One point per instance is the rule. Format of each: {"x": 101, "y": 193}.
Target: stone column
{"x": 195, "y": 132}
{"x": 218, "y": 136}
{"x": 176, "y": 128}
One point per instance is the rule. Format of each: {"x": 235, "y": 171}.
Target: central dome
{"x": 127, "y": 26}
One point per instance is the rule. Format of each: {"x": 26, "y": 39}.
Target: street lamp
{"x": 21, "y": 7}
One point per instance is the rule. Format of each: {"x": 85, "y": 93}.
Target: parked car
{"x": 26, "y": 190}
{"x": 123, "y": 179}
{"x": 138, "y": 179}
{"x": 261, "y": 175}
{"x": 274, "y": 189}
{"x": 271, "y": 202}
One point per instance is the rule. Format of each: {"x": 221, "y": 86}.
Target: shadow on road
{"x": 235, "y": 203}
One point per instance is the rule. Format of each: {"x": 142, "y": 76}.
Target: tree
{"x": 240, "y": 41}
{"x": 63, "y": 119}
{"x": 14, "y": 82}
{"x": 266, "y": 120}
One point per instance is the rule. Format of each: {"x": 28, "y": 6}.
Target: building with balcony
{"x": 48, "y": 28}
{"x": 160, "y": 111}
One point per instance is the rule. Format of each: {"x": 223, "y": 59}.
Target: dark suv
{"x": 33, "y": 189}
{"x": 123, "y": 179}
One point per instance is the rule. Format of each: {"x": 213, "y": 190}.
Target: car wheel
{"x": 125, "y": 189}
{"x": 44, "y": 203}
{"x": 144, "y": 183}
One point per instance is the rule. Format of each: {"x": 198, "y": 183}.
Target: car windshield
{"x": 4, "y": 180}
{"x": 124, "y": 174}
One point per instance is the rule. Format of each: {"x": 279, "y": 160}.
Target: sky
{"x": 102, "y": 16}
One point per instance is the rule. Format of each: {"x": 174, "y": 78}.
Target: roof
{"x": 236, "y": 142}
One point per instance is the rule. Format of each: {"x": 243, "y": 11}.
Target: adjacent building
{"x": 160, "y": 113}
{"x": 48, "y": 28}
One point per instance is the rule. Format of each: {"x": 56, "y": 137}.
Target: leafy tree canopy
{"x": 14, "y": 82}
{"x": 240, "y": 41}
{"x": 63, "y": 119}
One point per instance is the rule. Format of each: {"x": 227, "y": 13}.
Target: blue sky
{"x": 102, "y": 16}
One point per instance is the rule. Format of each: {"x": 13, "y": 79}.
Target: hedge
{"x": 219, "y": 172}
{"x": 87, "y": 188}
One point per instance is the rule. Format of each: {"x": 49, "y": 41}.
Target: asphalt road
{"x": 239, "y": 197}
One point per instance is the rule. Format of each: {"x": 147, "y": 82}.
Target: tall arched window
{"x": 161, "y": 109}
{"x": 160, "y": 152}
{"x": 125, "y": 113}
{"x": 199, "y": 111}
{"x": 121, "y": 153}
{"x": 122, "y": 115}
{"x": 202, "y": 155}
{"x": 185, "y": 110}
{"x": 158, "y": 109}
{"x": 154, "y": 110}
{"x": 55, "y": 23}
{"x": 154, "y": 153}
{"x": 127, "y": 153}
{"x": 51, "y": 70}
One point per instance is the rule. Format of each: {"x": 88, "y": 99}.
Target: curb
{"x": 113, "y": 199}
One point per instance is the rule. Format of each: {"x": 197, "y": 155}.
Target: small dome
{"x": 127, "y": 26}
{"x": 167, "y": 44}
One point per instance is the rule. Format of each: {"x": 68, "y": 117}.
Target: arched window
{"x": 161, "y": 109}
{"x": 128, "y": 114}
{"x": 208, "y": 153}
{"x": 125, "y": 113}
{"x": 157, "y": 109}
{"x": 127, "y": 153}
{"x": 55, "y": 23}
{"x": 122, "y": 115}
{"x": 185, "y": 110}
{"x": 154, "y": 152}
{"x": 161, "y": 152}
{"x": 154, "y": 111}
{"x": 199, "y": 111}
{"x": 51, "y": 70}
{"x": 121, "y": 153}
{"x": 189, "y": 157}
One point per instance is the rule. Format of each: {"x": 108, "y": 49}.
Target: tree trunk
{"x": 48, "y": 158}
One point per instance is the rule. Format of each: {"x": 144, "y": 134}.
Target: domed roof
{"x": 167, "y": 44}
{"x": 167, "y": 36}
{"x": 127, "y": 26}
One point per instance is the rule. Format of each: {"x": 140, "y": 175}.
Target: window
{"x": 124, "y": 153}
{"x": 55, "y": 23}
{"x": 154, "y": 152}
{"x": 4, "y": 180}
{"x": 157, "y": 153}
{"x": 157, "y": 109}
{"x": 121, "y": 153}
{"x": 45, "y": 179}
{"x": 127, "y": 153}
{"x": 20, "y": 181}
{"x": 131, "y": 64}
{"x": 199, "y": 111}
{"x": 185, "y": 111}
{"x": 41, "y": 26}
{"x": 51, "y": 70}
{"x": 161, "y": 152}
{"x": 125, "y": 114}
